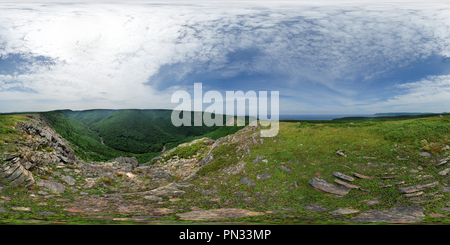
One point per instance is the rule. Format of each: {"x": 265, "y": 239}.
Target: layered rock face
{"x": 186, "y": 169}
{"x": 41, "y": 144}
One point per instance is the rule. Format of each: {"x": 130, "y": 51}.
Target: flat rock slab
{"x": 444, "y": 172}
{"x": 373, "y": 202}
{"x": 396, "y": 183}
{"x": 21, "y": 208}
{"x": 263, "y": 176}
{"x": 153, "y": 198}
{"x": 415, "y": 188}
{"x": 425, "y": 154}
{"x": 341, "y": 211}
{"x": 343, "y": 183}
{"x": 314, "y": 207}
{"x": 44, "y": 213}
{"x": 423, "y": 201}
{"x": 165, "y": 191}
{"x": 51, "y": 186}
{"x": 322, "y": 185}
{"x": 247, "y": 181}
{"x": 223, "y": 213}
{"x": 68, "y": 179}
{"x": 362, "y": 176}
{"x": 343, "y": 176}
{"x": 285, "y": 169}
{"x": 410, "y": 214}
{"x": 414, "y": 194}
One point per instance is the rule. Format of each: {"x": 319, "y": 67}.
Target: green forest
{"x": 139, "y": 133}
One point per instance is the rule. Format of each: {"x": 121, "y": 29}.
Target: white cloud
{"x": 116, "y": 48}
{"x": 427, "y": 95}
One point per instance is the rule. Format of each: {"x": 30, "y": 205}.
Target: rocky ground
{"x": 53, "y": 182}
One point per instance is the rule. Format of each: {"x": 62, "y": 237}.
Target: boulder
{"x": 127, "y": 160}
{"x": 51, "y": 186}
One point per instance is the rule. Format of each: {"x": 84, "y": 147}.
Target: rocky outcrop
{"x": 186, "y": 169}
{"x": 42, "y": 135}
{"x": 128, "y": 160}
{"x": 39, "y": 145}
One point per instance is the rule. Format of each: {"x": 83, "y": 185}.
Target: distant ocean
{"x": 321, "y": 117}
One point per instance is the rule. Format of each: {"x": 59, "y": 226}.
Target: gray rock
{"x": 341, "y": 211}
{"x": 339, "y": 152}
{"x": 263, "y": 176}
{"x": 51, "y": 186}
{"x": 247, "y": 181}
{"x": 445, "y": 189}
{"x": 444, "y": 172}
{"x": 11, "y": 157}
{"x": 409, "y": 214}
{"x": 153, "y": 198}
{"x": 422, "y": 201}
{"x": 343, "y": 183}
{"x": 442, "y": 162}
{"x": 314, "y": 207}
{"x": 396, "y": 183}
{"x": 130, "y": 160}
{"x": 44, "y": 213}
{"x": 425, "y": 154}
{"x": 361, "y": 176}
{"x": 223, "y": 213}
{"x": 415, "y": 188}
{"x": 373, "y": 202}
{"x": 68, "y": 179}
{"x": 322, "y": 185}
{"x": 285, "y": 169}
{"x": 2, "y": 210}
{"x": 413, "y": 194}
{"x": 258, "y": 158}
{"x": 207, "y": 192}
{"x": 161, "y": 174}
{"x": 343, "y": 176}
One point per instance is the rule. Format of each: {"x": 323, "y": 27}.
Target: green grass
{"x": 315, "y": 145}
{"x": 188, "y": 151}
{"x": 223, "y": 156}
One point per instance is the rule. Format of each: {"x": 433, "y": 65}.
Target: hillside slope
{"x": 340, "y": 172}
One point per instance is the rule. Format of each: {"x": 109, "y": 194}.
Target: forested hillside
{"x": 140, "y": 133}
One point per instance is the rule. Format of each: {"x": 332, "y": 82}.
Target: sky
{"x": 323, "y": 57}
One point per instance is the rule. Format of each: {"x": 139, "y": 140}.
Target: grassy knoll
{"x": 314, "y": 145}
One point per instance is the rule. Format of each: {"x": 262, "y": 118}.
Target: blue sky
{"x": 326, "y": 57}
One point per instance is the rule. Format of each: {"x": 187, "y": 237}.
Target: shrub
{"x": 106, "y": 180}
{"x": 48, "y": 149}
